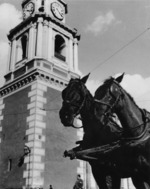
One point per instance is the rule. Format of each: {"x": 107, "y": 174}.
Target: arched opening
{"x": 24, "y": 41}
{"x": 60, "y": 48}
{"x": 21, "y": 51}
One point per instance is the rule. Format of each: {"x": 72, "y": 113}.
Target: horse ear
{"x": 85, "y": 78}
{"x": 119, "y": 79}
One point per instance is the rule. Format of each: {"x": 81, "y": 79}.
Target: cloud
{"x": 137, "y": 86}
{"x": 101, "y": 23}
{"x": 9, "y": 18}
{"x": 92, "y": 85}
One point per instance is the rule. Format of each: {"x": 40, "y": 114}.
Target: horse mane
{"x": 108, "y": 81}
{"x": 105, "y": 84}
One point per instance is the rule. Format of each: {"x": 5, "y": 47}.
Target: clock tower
{"x": 43, "y": 57}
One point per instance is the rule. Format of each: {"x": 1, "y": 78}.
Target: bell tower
{"x": 44, "y": 36}
{"x": 43, "y": 57}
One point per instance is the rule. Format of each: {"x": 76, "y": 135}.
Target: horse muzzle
{"x": 66, "y": 119}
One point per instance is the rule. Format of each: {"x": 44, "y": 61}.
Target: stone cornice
{"x": 34, "y": 18}
{"x": 29, "y": 78}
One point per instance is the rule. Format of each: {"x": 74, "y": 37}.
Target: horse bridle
{"x": 78, "y": 110}
{"x": 108, "y": 112}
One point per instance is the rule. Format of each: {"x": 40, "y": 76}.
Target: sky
{"x": 115, "y": 38}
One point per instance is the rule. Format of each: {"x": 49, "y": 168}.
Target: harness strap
{"x": 77, "y": 112}
{"x": 101, "y": 102}
{"x": 144, "y": 115}
{"x": 146, "y": 120}
{"x": 110, "y": 106}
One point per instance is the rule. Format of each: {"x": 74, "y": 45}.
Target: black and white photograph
{"x": 74, "y": 94}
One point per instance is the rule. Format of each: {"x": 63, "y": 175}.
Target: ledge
{"x": 34, "y": 18}
{"x": 36, "y": 74}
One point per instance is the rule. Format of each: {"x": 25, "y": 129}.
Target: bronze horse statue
{"x": 78, "y": 100}
{"x": 135, "y": 122}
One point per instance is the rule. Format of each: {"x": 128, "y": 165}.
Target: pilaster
{"x": 45, "y": 39}
{"x": 2, "y": 106}
{"x": 71, "y": 54}
{"x": 50, "y": 42}
{"x": 31, "y": 47}
{"x": 36, "y": 137}
{"x": 13, "y": 55}
{"x": 39, "y": 37}
{"x": 9, "y": 58}
{"x": 75, "y": 55}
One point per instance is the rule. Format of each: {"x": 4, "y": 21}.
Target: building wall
{"x": 30, "y": 116}
{"x": 59, "y": 171}
{"x": 13, "y": 127}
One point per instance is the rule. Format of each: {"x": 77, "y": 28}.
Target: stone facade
{"x": 13, "y": 131}
{"x": 29, "y": 117}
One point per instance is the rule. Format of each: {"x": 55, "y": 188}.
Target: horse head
{"x": 73, "y": 96}
{"x": 108, "y": 96}
{"x": 78, "y": 100}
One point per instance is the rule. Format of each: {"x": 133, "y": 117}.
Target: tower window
{"x": 42, "y": 2}
{"x": 60, "y": 48}
{"x": 22, "y": 43}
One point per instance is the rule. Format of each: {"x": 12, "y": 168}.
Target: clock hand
{"x": 59, "y": 12}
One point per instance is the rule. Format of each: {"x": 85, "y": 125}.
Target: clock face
{"x": 58, "y": 10}
{"x": 28, "y": 10}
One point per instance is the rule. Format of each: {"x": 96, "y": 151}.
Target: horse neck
{"x": 87, "y": 108}
{"x": 97, "y": 132}
{"x": 89, "y": 138}
{"x": 90, "y": 123}
{"x": 129, "y": 114}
